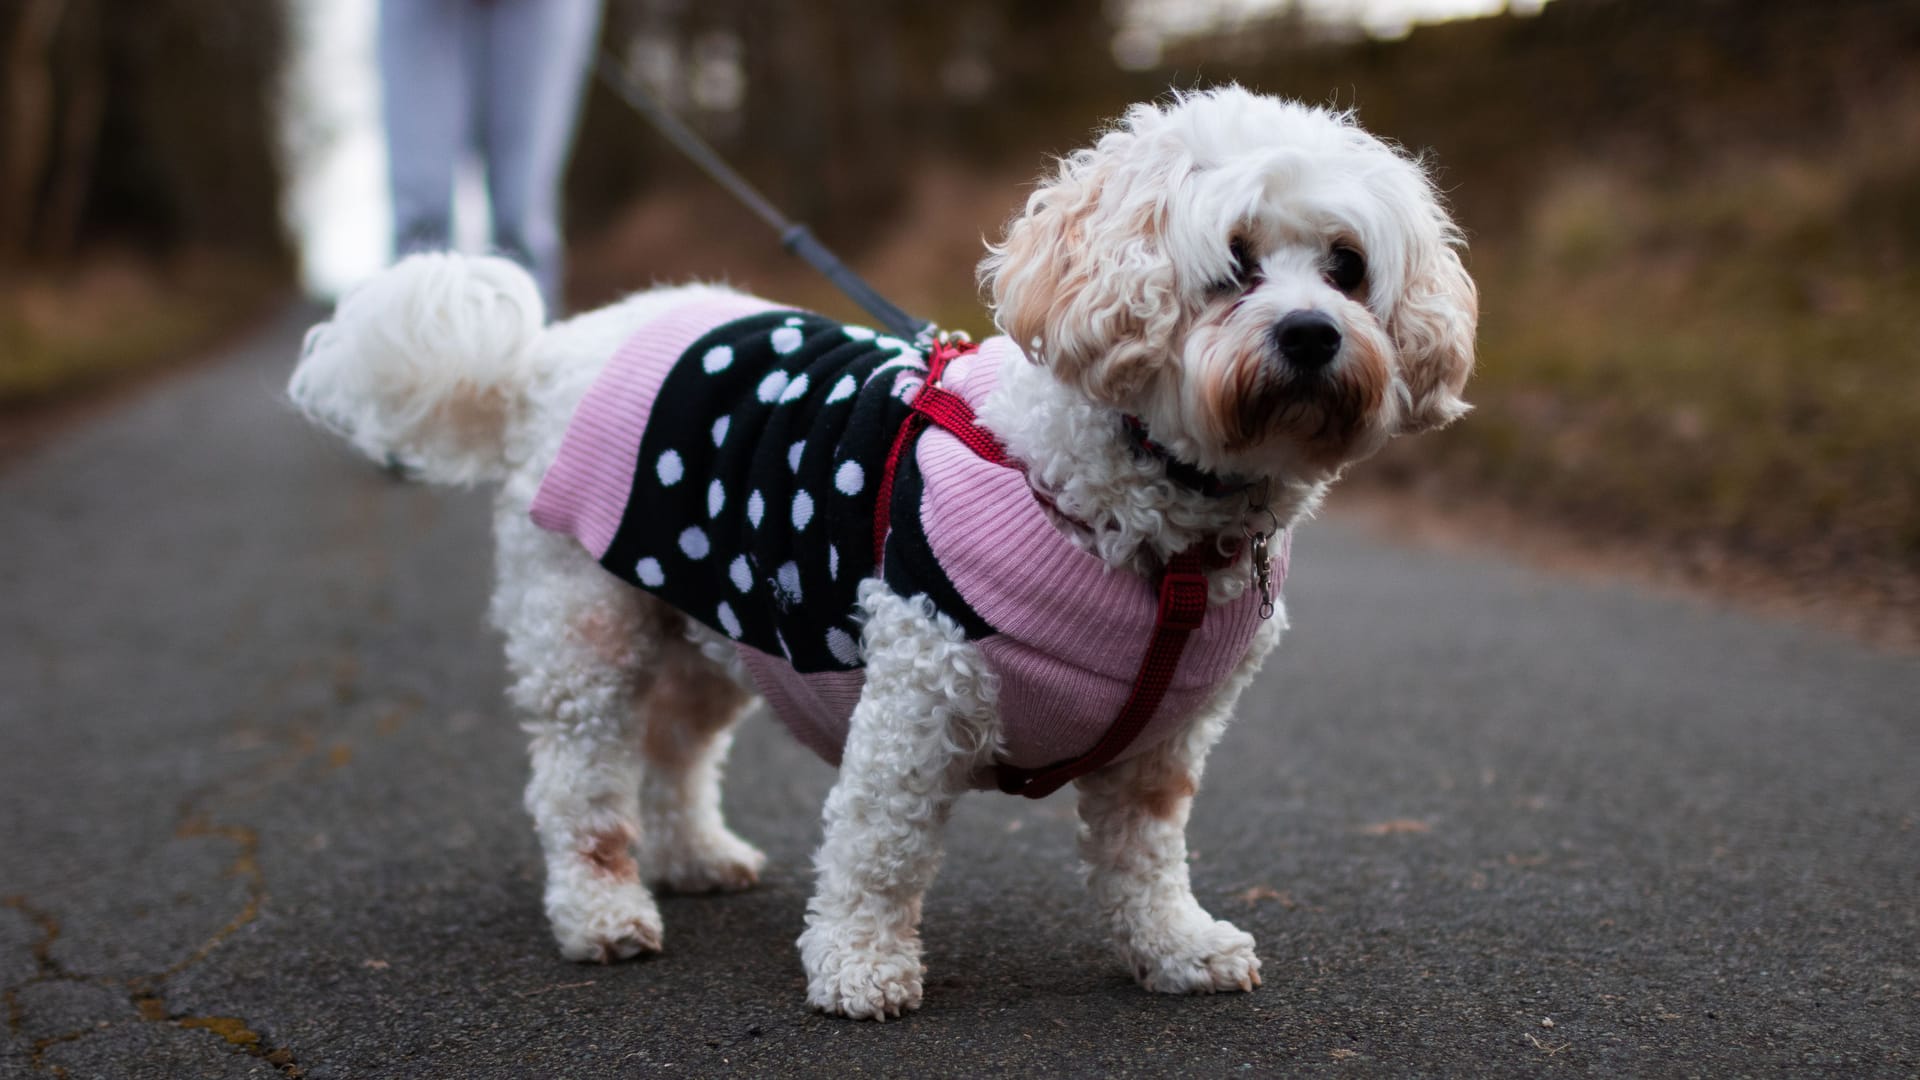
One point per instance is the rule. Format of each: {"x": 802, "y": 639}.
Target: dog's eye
{"x": 1346, "y": 268}
{"x": 1246, "y": 268}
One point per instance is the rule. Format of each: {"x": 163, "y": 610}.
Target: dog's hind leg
{"x": 924, "y": 723}
{"x": 685, "y": 844}
{"x": 581, "y": 648}
{"x": 1133, "y": 820}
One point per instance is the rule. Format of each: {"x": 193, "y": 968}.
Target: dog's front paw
{"x": 716, "y": 861}
{"x": 1213, "y": 957}
{"x": 600, "y": 925}
{"x": 859, "y": 974}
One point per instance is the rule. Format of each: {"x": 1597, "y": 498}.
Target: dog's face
{"x": 1271, "y": 289}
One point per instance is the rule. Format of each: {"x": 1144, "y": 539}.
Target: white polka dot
{"x": 793, "y": 320}
{"x": 649, "y": 573}
{"x": 786, "y": 339}
{"x": 771, "y": 386}
{"x": 728, "y": 620}
{"x": 693, "y": 541}
{"x": 788, "y": 582}
{"x": 793, "y": 455}
{"x": 716, "y": 498}
{"x": 670, "y": 468}
{"x": 857, "y": 333}
{"x": 718, "y": 359}
{"x": 795, "y": 390}
{"x": 843, "y": 389}
{"x": 756, "y": 507}
{"x": 720, "y": 427}
{"x": 833, "y": 562}
{"x": 894, "y": 343}
{"x": 906, "y": 384}
{"x": 802, "y": 509}
{"x": 843, "y": 647}
{"x": 850, "y": 478}
{"x": 740, "y": 573}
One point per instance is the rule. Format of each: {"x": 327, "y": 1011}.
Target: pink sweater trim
{"x": 586, "y": 488}
{"x": 817, "y": 707}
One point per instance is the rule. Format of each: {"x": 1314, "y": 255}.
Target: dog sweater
{"x": 728, "y": 460}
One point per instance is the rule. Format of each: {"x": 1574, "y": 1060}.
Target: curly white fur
{"x": 924, "y": 725}
{"x": 427, "y": 367}
{"x": 1112, "y": 277}
{"x": 1147, "y": 276}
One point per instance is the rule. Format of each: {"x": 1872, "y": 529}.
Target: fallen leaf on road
{"x": 1395, "y": 827}
{"x": 377, "y": 965}
{"x": 538, "y": 990}
{"x": 1266, "y": 892}
{"x": 1550, "y": 1050}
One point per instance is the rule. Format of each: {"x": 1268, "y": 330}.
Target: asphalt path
{"x": 260, "y": 797}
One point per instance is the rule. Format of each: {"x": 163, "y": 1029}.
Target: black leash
{"x": 796, "y": 238}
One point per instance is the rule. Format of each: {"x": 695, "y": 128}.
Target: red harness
{"x": 1182, "y": 585}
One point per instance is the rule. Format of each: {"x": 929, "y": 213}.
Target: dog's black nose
{"x": 1308, "y": 339}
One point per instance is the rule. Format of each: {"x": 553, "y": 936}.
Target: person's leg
{"x": 537, "y": 55}
{"x": 424, "y": 87}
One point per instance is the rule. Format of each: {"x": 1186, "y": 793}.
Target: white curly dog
{"x": 1268, "y": 290}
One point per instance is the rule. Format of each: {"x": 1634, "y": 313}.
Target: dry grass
{"x": 62, "y": 334}
{"x": 1732, "y": 358}
{"x": 1724, "y": 364}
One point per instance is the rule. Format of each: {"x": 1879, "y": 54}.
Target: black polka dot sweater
{"x": 728, "y": 460}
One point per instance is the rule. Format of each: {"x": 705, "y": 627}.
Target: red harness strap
{"x": 1182, "y": 586}
{"x": 941, "y": 406}
{"x": 1183, "y": 605}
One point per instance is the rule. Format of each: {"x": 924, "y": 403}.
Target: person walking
{"x": 505, "y": 78}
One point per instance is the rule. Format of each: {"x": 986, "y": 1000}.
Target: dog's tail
{"x": 426, "y": 364}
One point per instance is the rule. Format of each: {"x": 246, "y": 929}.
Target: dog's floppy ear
{"x": 1080, "y": 282}
{"x": 1433, "y": 330}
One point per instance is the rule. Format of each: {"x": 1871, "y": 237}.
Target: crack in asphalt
{"x": 46, "y": 970}
{"x": 245, "y": 865}
{"x": 140, "y": 989}
{"x": 143, "y": 991}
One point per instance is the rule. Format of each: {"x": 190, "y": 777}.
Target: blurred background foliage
{"x": 139, "y": 183}
{"x": 1696, "y": 223}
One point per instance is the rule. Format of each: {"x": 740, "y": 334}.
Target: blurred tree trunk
{"x": 846, "y": 100}
{"x": 71, "y": 175}
{"x": 29, "y": 122}
{"x": 140, "y": 123}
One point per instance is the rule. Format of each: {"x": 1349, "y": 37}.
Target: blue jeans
{"x": 502, "y": 76}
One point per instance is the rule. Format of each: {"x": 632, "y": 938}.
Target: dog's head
{"x": 1272, "y": 290}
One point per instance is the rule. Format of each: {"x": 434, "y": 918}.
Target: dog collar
{"x": 1193, "y": 477}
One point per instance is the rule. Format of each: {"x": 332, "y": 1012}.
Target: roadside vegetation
{"x": 1696, "y": 228}
{"x": 114, "y": 316}
{"x": 1696, "y": 225}
{"x": 139, "y": 187}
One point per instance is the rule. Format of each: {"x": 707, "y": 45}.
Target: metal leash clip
{"x": 931, "y": 335}
{"x": 1257, "y": 550}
